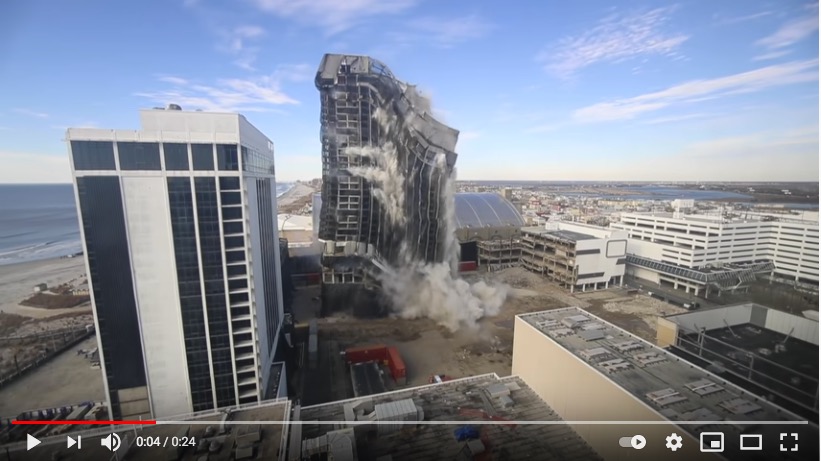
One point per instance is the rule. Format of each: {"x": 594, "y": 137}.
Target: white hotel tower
{"x": 181, "y": 248}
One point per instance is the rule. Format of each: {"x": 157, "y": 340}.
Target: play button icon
{"x": 31, "y": 442}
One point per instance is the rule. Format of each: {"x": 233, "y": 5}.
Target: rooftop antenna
{"x": 781, "y": 346}
{"x": 730, "y": 329}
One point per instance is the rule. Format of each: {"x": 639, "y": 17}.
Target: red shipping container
{"x": 367, "y": 353}
{"x": 467, "y": 266}
{"x": 397, "y": 365}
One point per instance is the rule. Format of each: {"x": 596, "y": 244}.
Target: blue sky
{"x": 552, "y": 91}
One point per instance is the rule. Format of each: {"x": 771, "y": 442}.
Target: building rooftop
{"x": 268, "y": 444}
{"x": 735, "y": 217}
{"x": 769, "y": 351}
{"x": 572, "y": 236}
{"x": 480, "y": 398}
{"x": 676, "y": 389}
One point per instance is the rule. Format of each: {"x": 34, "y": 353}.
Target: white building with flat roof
{"x": 181, "y": 248}
{"x": 659, "y": 244}
{"x": 579, "y": 257}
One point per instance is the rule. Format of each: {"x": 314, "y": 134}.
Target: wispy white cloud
{"x": 771, "y": 55}
{"x": 333, "y": 16}
{"x": 295, "y": 72}
{"x": 258, "y": 94}
{"x": 744, "y": 18}
{"x": 237, "y": 42}
{"x": 677, "y": 118}
{"x": 746, "y": 82}
{"x": 616, "y": 38}
{"x": 30, "y": 113}
{"x": 791, "y": 32}
{"x": 443, "y": 33}
{"x": 173, "y": 80}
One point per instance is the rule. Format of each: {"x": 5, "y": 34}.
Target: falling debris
{"x": 388, "y": 217}
{"x": 416, "y": 287}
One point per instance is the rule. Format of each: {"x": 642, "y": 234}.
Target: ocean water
{"x": 40, "y": 222}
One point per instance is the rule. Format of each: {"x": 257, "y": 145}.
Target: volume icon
{"x": 111, "y": 441}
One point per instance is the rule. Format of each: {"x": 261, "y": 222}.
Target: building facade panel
{"x": 153, "y": 262}
{"x": 109, "y": 261}
{"x": 700, "y": 241}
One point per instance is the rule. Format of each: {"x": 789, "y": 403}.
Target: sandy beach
{"x": 17, "y": 282}
{"x": 295, "y": 198}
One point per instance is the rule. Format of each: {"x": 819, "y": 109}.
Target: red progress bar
{"x": 84, "y": 422}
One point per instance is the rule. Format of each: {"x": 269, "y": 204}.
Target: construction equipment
{"x": 439, "y": 379}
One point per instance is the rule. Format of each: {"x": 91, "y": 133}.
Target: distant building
{"x": 576, "y": 256}
{"x": 701, "y": 253}
{"x": 181, "y": 247}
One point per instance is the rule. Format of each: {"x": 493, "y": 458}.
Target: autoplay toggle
{"x": 637, "y": 441}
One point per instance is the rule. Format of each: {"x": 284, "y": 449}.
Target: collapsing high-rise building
{"x": 386, "y": 165}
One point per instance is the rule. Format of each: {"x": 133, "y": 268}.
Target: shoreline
{"x": 18, "y": 281}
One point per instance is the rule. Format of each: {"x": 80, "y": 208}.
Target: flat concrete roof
{"x": 676, "y": 389}
{"x": 573, "y": 236}
{"x": 267, "y": 447}
{"x": 461, "y": 400}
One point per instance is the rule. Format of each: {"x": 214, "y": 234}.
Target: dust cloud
{"x": 418, "y": 288}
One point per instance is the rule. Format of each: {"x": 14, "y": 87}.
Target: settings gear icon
{"x": 674, "y": 441}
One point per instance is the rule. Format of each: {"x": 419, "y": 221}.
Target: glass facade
{"x": 139, "y": 155}
{"x": 202, "y": 157}
{"x": 254, "y": 161}
{"x": 93, "y": 155}
{"x": 269, "y": 269}
{"x": 176, "y": 156}
{"x": 103, "y": 222}
{"x": 214, "y": 282}
{"x": 181, "y": 204}
{"x": 227, "y": 157}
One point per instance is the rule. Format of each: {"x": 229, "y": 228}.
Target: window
{"x": 231, "y": 198}
{"x": 236, "y": 270}
{"x": 229, "y": 183}
{"x": 176, "y": 156}
{"x": 139, "y": 155}
{"x": 202, "y": 156}
{"x": 233, "y": 212}
{"x": 235, "y": 256}
{"x": 93, "y": 155}
{"x": 234, "y": 242}
{"x": 227, "y": 157}
{"x": 232, "y": 228}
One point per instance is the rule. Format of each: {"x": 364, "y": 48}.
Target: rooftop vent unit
{"x": 339, "y": 445}
{"x": 400, "y": 410}
{"x": 173, "y": 107}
